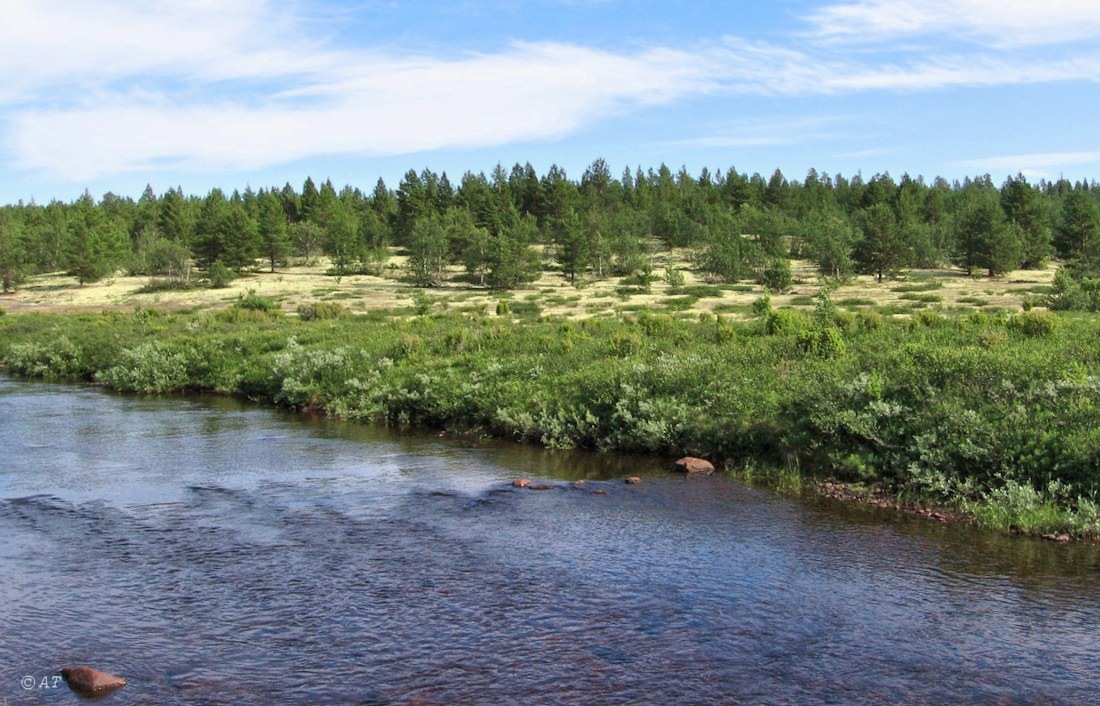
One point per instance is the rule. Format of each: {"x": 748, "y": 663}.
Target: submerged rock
{"x": 91, "y": 682}
{"x": 695, "y": 466}
{"x": 633, "y": 480}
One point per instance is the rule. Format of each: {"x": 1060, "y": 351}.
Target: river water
{"x": 213, "y": 552}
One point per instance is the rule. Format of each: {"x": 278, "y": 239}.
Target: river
{"x": 214, "y": 552}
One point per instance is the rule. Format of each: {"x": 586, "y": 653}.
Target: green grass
{"x": 923, "y": 298}
{"x": 918, "y": 287}
{"x": 701, "y": 291}
{"x": 679, "y": 303}
{"x": 855, "y": 301}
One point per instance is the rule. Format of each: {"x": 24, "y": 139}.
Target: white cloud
{"x": 379, "y": 107}
{"x": 998, "y": 22}
{"x": 771, "y": 132}
{"x": 94, "y": 89}
{"x": 769, "y": 69}
{"x": 1038, "y": 165}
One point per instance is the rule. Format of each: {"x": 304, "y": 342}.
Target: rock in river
{"x": 91, "y": 682}
{"x": 695, "y": 466}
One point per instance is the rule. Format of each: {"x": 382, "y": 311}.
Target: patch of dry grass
{"x": 554, "y": 295}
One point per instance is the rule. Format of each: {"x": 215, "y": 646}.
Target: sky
{"x": 113, "y": 95}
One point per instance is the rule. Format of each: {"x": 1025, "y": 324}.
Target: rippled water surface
{"x": 216, "y": 553}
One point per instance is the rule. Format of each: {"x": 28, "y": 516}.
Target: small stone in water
{"x": 88, "y": 681}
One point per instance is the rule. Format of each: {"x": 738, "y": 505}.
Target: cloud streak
{"x": 99, "y": 89}
{"x": 1003, "y": 23}
{"x": 1037, "y": 165}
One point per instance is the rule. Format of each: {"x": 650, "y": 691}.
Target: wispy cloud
{"x": 377, "y": 107}
{"x": 93, "y": 89}
{"x": 1039, "y": 165}
{"x": 771, "y": 132}
{"x": 997, "y": 22}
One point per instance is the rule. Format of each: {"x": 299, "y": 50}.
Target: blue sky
{"x": 117, "y": 94}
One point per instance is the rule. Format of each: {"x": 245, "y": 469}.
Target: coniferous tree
{"x": 273, "y": 230}
{"x": 212, "y": 230}
{"x": 1078, "y": 233}
{"x": 241, "y": 238}
{"x": 13, "y": 254}
{"x": 1023, "y": 205}
{"x": 96, "y": 246}
{"x": 172, "y": 217}
{"x": 573, "y": 245}
{"x": 881, "y": 250}
{"x": 512, "y": 261}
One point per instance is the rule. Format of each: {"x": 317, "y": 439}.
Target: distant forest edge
{"x": 506, "y": 227}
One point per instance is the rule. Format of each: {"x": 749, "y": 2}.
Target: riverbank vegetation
{"x": 930, "y": 340}
{"x": 994, "y": 415}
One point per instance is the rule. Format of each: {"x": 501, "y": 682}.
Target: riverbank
{"x": 994, "y": 416}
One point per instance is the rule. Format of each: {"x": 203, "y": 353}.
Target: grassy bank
{"x": 994, "y": 415}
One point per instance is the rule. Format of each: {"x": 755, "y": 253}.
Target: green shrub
{"x": 870, "y": 320}
{"x": 784, "y": 321}
{"x": 827, "y": 342}
{"x": 1035, "y": 323}
{"x": 321, "y": 311}
{"x": 502, "y": 307}
{"x": 762, "y": 306}
{"x": 219, "y": 276}
{"x": 254, "y": 302}
{"x": 777, "y": 275}
{"x": 928, "y": 319}
{"x": 166, "y": 284}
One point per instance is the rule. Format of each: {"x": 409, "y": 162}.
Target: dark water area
{"x": 217, "y": 553}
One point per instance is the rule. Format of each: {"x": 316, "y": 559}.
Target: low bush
{"x": 962, "y": 410}
{"x": 318, "y": 311}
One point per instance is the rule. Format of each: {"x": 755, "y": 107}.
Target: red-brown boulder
{"x": 91, "y": 682}
{"x": 521, "y": 482}
{"x": 695, "y": 466}
{"x": 633, "y": 480}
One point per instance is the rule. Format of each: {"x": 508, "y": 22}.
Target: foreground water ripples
{"x": 219, "y": 554}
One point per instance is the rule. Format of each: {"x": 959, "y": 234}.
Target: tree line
{"x": 506, "y": 227}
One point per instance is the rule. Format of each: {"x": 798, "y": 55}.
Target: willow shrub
{"x": 945, "y": 406}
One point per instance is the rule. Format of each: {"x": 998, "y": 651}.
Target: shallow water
{"x": 217, "y": 553}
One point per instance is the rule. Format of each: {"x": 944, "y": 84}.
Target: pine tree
{"x": 1078, "y": 233}
{"x": 881, "y": 251}
{"x": 13, "y": 255}
{"x": 96, "y": 246}
{"x": 172, "y": 217}
{"x": 211, "y": 230}
{"x": 273, "y": 230}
